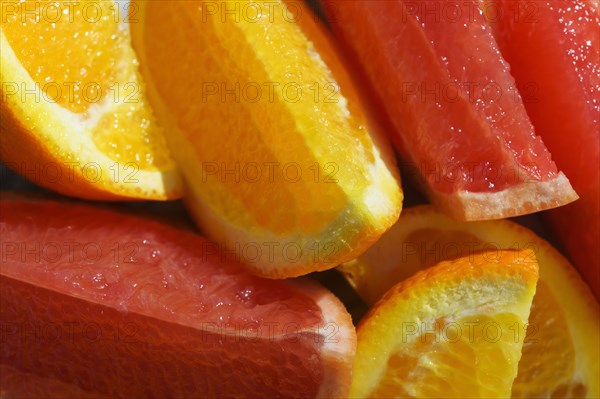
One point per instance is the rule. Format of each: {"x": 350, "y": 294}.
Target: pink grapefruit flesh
{"x": 459, "y": 119}
{"x": 553, "y": 48}
{"x": 122, "y": 306}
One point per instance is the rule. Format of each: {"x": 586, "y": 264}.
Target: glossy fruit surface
{"x": 267, "y": 127}
{"x": 98, "y": 301}
{"x": 460, "y": 123}
{"x": 561, "y": 353}
{"x": 75, "y": 118}
{"x": 563, "y": 81}
{"x": 430, "y": 335}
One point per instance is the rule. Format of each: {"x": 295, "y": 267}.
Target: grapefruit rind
{"x": 522, "y": 199}
{"x": 339, "y": 337}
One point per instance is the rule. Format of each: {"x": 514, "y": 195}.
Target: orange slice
{"x": 75, "y": 118}
{"x": 561, "y": 354}
{"x": 264, "y": 121}
{"x": 448, "y": 330}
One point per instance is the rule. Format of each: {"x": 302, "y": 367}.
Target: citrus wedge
{"x": 561, "y": 354}
{"x": 12, "y": 385}
{"x": 565, "y": 79}
{"x": 120, "y": 306}
{"x": 451, "y": 331}
{"x": 268, "y": 130}
{"x": 74, "y": 114}
{"x": 460, "y": 123}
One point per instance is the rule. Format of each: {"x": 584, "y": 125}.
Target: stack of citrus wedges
{"x": 560, "y": 350}
{"x": 254, "y": 115}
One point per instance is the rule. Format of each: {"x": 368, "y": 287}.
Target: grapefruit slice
{"x": 565, "y": 79}
{"x": 75, "y": 117}
{"x": 460, "y": 122}
{"x": 447, "y": 332}
{"x": 122, "y": 306}
{"x": 561, "y": 353}
{"x": 267, "y": 127}
{"x": 15, "y": 384}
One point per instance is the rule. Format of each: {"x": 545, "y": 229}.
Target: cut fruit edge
{"x": 58, "y": 128}
{"x": 322, "y": 251}
{"x": 339, "y": 347}
{"x": 521, "y": 199}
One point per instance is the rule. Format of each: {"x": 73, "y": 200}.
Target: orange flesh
{"x": 455, "y": 333}
{"x": 80, "y": 57}
{"x": 548, "y": 352}
{"x": 48, "y": 50}
{"x": 548, "y": 336}
{"x": 547, "y": 366}
{"x": 460, "y": 346}
{"x": 221, "y": 54}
